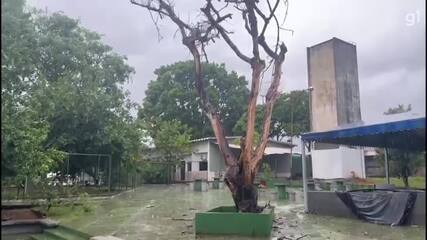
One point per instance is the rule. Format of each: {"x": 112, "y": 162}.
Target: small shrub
{"x": 84, "y": 201}
{"x": 267, "y": 174}
{"x": 154, "y": 173}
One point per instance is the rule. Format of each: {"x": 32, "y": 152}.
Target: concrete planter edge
{"x": 224, "y": 220}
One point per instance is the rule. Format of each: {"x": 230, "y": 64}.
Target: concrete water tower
{"x": 335, "y": 102}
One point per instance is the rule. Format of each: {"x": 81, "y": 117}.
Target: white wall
{"x": 353, "y": 160}
{"x": 326, "y": 163}
{"x": 338, "y": 163}
{"x": 194, "y": 166}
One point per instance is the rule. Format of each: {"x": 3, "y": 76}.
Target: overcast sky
{"x": 389, "y": 35}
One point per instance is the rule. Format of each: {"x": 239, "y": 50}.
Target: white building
{"x": 206, "y": 161}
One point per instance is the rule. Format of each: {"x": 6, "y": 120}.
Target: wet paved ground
{"x": 165, "y": 212}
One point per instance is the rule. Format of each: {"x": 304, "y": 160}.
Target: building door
{"x": 182, "y": 167}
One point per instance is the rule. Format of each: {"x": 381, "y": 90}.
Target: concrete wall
{"x": 329, "y": 204}
{"x": 418, "y": 215}
{"x": 321, "y": 76}
{"x": 337, "y": 163}
{"x": 216, "y": 162}
{"x": 332, "y": 72}
{"x": 347, "y": 82}
{"x": 353, "y": 160}
{"x": 280, "y": 165}
{"x": 327, "y": 163}
{"x": 198, "y": 148}
{"x": 194, "y": 158}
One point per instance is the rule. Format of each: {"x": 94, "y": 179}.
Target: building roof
{"x": 268, "y": 150}
{"x": 331, "y": 40}
{"x": 406, "y": 134}
{"x": 284, "y": 144}
{"x": 213, "y": 138}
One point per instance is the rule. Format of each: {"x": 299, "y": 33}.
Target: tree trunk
{"x": 405, "y": 176}
{"x": 405, "y": 181}
{"x": 405, "y": 168}
{"x": 245, "y": 195}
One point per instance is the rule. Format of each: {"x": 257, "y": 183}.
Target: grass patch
{"x": 289, "y": 183}
{"x": 414, "y": 182}
{"x": 69, "y": 212}
{"x": 61, "y": 192}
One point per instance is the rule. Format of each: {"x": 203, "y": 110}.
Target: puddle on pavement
{"x": 148, "y": 212}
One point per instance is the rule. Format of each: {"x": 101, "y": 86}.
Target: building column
{"x": 386, "y": 166}
{"x": 304, "y": 175}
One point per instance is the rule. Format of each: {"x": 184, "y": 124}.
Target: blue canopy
{"x": 405, "y": 134}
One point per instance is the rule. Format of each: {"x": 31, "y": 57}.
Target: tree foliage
{"x": 24, "y": 129}
{"x": 172, "y": 96}
{"x": 399, "y": 109}
{"x": 172, "y": 140}
{"x": 290, "y": 116}
{"x": 402, "y": 163}
{"x": 62, "y": 89}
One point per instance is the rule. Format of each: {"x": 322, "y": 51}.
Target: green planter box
{"x": 338, "y": 186}
{"x": 215, "y": 184}
{"x": 281, "y": 191}
{"x": 198, "y": 185}
{"x": 226, "y": 221}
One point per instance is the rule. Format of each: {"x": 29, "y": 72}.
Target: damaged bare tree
{"x": 242, "y": 169}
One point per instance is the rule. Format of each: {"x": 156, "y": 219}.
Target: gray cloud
{"x": 391, "y": 52}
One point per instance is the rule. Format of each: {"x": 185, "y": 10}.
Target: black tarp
{"x": 380, "y": 206}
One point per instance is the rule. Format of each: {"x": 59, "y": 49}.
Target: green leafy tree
{"x": 399, "y": 109}
{"x": 172, "y": 144}
{"x": 240, "y": 126}
{"x": 88, "y": 109}
{"x": 290, "y": 116}
{"x": 402, "y": 164}
{"x": 62, "y": 89}
{"x": 173, "y": 96}
{"x": 24, "y": 129}
{"x": 172, "y": 140}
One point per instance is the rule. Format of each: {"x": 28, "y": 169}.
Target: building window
{"x": 189, "y": 167}
{"x": 203, "y": 166}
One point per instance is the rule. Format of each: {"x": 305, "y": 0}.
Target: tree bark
{"x": 247, "y": 150}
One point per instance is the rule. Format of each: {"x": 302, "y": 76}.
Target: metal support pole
{"x": 97, "y": 167}
{"x": 291, "y": 156}
{"x": 304, "y": 176}
{"x": 386, "y": 166}
{"x": 68, "y": 165}
{"x": 25, "y": 186}
{"x": 109, "y": 173}
{"x": 275, "y": 166}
